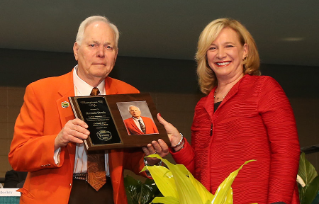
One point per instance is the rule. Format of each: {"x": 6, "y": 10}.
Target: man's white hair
{"x": 92, "y": 19}
{"x": 129, "y": 108}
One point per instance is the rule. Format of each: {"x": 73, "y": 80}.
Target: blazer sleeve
{"x": 150, "y": 125}
{"x": 278, "y": 118}
{"x": 134, "y": 161}
{"x": 128, "y": 126}
{"x": 30, "y": 149}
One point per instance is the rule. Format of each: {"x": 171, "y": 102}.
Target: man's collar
{"x": 84, "y": 88}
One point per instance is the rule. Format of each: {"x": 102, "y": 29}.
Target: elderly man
{"x": 48, "y": 140}
{"x": 139, "y": 125}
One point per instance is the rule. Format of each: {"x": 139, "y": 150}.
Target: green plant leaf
{"x": 311, "y": 191}
{"x": 189, "y": 190}
{"x": 148, "y": 192}
{"x": 311, "y": 179}
{"x": 204, "y": 194}
{"x": 222, "y": 191}
{"x": 301, "y": 192}
{"x": 306, "y": 170}
{"x": 133, "y": 189}
{"x": 138, "y": 192}
{"x": 164, "y": 180}
{"x": 316, "y": 200}
{"x": 165, "y": 200}
{"x": 186, "y": 191}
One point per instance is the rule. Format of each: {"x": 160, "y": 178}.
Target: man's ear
{"x": 75, "y": 50}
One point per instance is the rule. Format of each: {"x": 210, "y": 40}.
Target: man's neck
{"x": 92, "y": 81}
{"x": 84, "y": 88}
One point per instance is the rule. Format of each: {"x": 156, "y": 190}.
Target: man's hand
{"x": 73, "y": 131}
{"x": 156, "y": 147}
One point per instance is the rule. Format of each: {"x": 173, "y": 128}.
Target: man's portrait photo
{"x": 137, "y": 118}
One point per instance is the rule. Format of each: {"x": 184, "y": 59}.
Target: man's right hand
{"x": 73, "y": 131}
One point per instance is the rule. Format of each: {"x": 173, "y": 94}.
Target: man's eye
{"x": 92, "y": 45}
{"x": 109, "y": 47}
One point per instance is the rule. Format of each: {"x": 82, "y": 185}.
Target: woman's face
{"x": 225, "y": 55}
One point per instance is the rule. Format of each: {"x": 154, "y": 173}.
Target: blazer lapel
{"x": 233, "y": 91}
{"x": 209, "y": 106}
{"x": 109, "y": 88}
{"x": 134, "y": 125}
{"x": 63, "y": 104}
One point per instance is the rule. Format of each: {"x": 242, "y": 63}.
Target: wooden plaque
{"x": 112, "y": 123}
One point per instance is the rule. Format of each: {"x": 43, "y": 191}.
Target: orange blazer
{"x": 132, "y": 129}
{"x": 41, "y": 118}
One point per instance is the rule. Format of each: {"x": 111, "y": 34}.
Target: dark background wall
{"x": 172, "y": 84}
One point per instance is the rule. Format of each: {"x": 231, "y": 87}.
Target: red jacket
{"x": 254, "y": 121}
{"x": 40, "y": 120}
{"x": 132, "y": 129}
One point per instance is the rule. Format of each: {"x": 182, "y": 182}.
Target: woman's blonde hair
{"x": 206, "y": 76}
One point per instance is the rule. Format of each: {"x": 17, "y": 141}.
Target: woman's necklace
{"x": 226, "y": 88}
{"x": 218, "y": 98}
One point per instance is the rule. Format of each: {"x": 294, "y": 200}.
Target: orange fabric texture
{"x": 41, "y": 118}
{"x": 132, "y": 129}
{"x": 254, "y": 121}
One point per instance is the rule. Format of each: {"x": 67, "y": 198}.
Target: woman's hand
{"x": 173, "y": 134}
{"x": 160, "y": 147}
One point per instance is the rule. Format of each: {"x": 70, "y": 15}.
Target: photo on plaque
{"x": 137, "y": 118}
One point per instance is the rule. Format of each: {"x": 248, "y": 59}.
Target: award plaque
{"x": 118, "y": 121}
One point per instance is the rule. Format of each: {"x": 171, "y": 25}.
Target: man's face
{"x": 135, "y": 112}
{"x": 97, "y": 53}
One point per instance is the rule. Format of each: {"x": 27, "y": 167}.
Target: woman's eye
{"x": 229, "y": 46}
{"x": 212, "y": 48}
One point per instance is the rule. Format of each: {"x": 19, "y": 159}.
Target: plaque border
{"x": 127, "y": 141}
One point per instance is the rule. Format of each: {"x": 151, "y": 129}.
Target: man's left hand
{"x": 156, "y": 147}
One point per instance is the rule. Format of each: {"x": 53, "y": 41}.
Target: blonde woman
{"x": 244, "y": 116}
